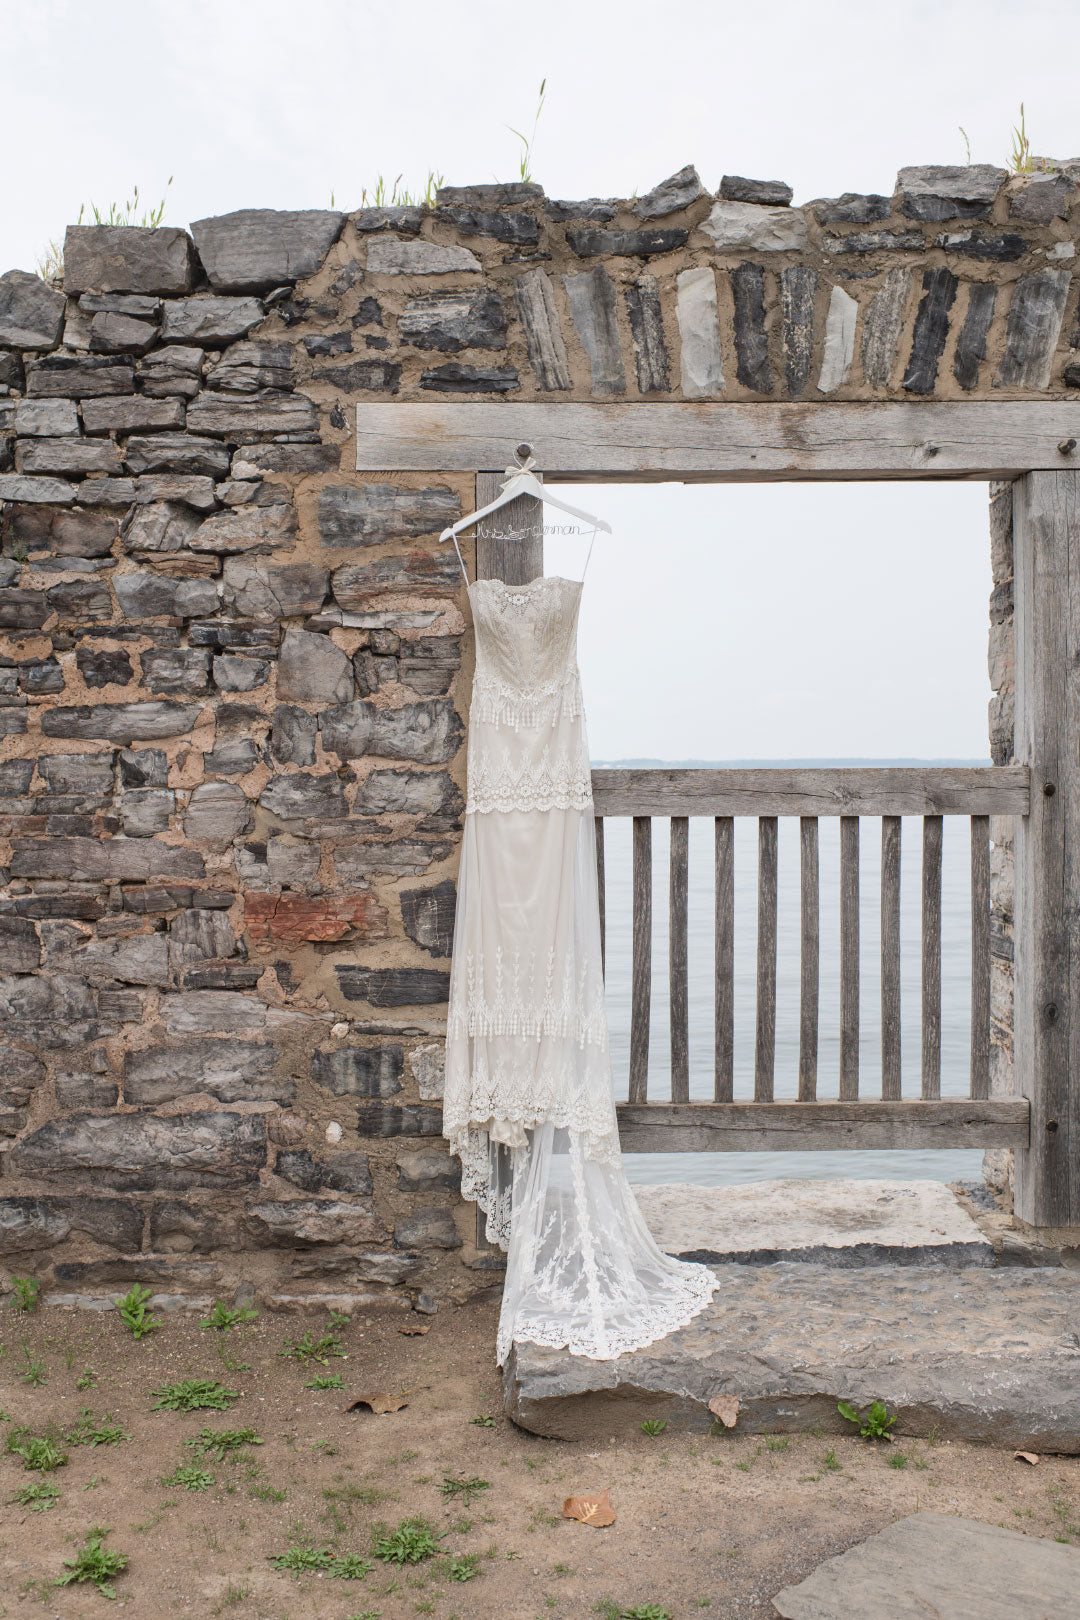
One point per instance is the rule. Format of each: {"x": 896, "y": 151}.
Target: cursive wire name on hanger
{"x": 534, "y": 532}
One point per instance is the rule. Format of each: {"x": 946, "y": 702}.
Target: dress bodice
{"x": 526, "y": 650}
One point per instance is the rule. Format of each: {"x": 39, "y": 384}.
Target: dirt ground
{"x": 703, "y": 1522}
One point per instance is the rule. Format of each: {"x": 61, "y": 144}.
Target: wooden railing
{"x": 852, "y": 1120}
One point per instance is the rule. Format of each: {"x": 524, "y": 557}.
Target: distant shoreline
{"x": 772, "y": 764}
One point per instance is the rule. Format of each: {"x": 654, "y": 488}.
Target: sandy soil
{"x": 706, "y": 1522}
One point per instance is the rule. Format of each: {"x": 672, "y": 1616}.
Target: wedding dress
{"x": 529, "y": 1103}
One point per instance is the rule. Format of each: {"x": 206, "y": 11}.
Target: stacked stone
{"x": 231, "y": 699}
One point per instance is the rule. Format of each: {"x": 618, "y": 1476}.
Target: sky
{"x": 874, "y": 642}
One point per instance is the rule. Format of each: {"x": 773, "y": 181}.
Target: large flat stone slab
{"x": 952, "y": 1569}
{"x": 840, "y": 1223}
{"x": 976, "y": 1354}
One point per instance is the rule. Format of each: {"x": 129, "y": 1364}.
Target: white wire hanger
{"x": 521, "y": 480}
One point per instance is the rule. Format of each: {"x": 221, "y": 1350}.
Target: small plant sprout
{"x": 875, "y": 1425}
{"x": 86, "y": 1379}
{"x": 307, "y": 1560}
{"x": 339, "y": 1320}
{"x": 462, "y": 1490}
{"x": 311, "y": 1349}
{"x": 33, "y": 1369}
{"x": 463, "y": 1567}
{"x": 1020, "y": 156}
{"x": 484, "y": 1421}
{"x": 134, "y": 1314}
{"x": 93, "y": 1431}
{"x": 219, "y": 1442}
{"x": 190, "y": 1478}
{"x": 223, "y": 1318}
{"x": 39, "y": 1497}
{"x": 653, "y": 1426}
{"x": 38, "y": 1451}
{"x": 528, "y": 142}
{"x": 27, "y": 1292}
{"x": 94, "y": 1563}
{"x": 194, "y": 1395}
{"x": 412, "y": 1542}
{"x": 325, "y": 1381}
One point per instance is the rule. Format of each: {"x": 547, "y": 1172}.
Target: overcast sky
{"x": 873, "y": 641}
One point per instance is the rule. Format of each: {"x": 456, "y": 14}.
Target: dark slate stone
{"x": 75, "y": 1090}
{"x": 427, "y": 665}
{"x": 521, "y": 230}
{"x": 949, "y": 191}
{"x": 208, "y": 321}
{"x": 852, "y": 208}
{"x": 424, "y": 1169}
{"x": 431, "y": 794}
{"x": 676, "y": 192}
{"x": 230, "y": 1069}
{"x": 751, "y": 337}
{"x": 971, "y": 344}
{"x": 228, "y": 633}
{"x": 363, "y": 376}
{"x": 359, "y": 1071}
{"x": 392, "y": 987}
{"x": 388, "y": 1119}
{"x": 33, "y": 1223}
{"x": 428, "y": 915}
{"x": 499, "y": 194}
{"x": 292, "y": 735}
{"x": 771, "y": 193}
{"x": 358, "y": 587}
{"x": 296, "y": 797}
{"x": 595, "y": 210}
{"x": 592, "y": 306}
{"x": 119, "y": 334}
{"x": 177, "y": 452}
{"x": 289, "y": 458}
{"x": 626, "y": 244}
{"x": 647, "y": 330}
{"x": 371, "y": 514}
{"x": 67, "y": 455}
{"x": 263, "y": 414}
{"x": 142, "y": 306}
{"x": 127, "y": 258}
{"x": 247, "y": 368}
{"x": 103, "y": 668}
{"x": 1031, "y": 332}
{"x": 234, "y": 756}
{"x": 452, "y": 321}
{"x": 874, "y": 242}
{"x": 330, "y": 343}
{"x": 454, "y": 378}
{"x": 11, "y": 369}
{"x": 63, "y": 533}
{"x": 23, "y": 610}
{"x": 31, "y": 312}
{"x": 369, "y": 313}
{"x": 1071, "y": 375}
{"x": 184, "y": 670}
{"x": 1039, "y": 202}
{"x": 1002, "y": 248}
{"x": 62, "y": 376}
{"x": 121, "y": 722}
{"x": 429, "y": 1227}
{"x": 798, "y": 284}
{"x": 143, "y": 1151}
{"x": 423, "y": 733}
{"x": 15, "y": 776}
{"x": 142, "y": 767}
{"x": 405, "y": 219}
{"x": 143, "y": 594}
{"x": 92, "y": 860}
{"x": 345, "y": 1172}
{"x": 931, "y": 330}
{"x": 255, "y": 249}
{"x": 81, "y": 599}
{"x": 20, "y": 948}
{"x": 41, "y": 677}
{"x": 83, "y": 775}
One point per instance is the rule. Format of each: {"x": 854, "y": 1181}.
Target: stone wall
{"x": 233, "y": 673}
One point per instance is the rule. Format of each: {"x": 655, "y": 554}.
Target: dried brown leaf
{"x": 379, "y": 1402}
{"x": 726, "y": 1408}
{"x": 1026, "y": 1456}
{"x": 595, "y": 1510}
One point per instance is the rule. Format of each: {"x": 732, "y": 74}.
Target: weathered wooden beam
{"x": 1046, "y": 548}
{"x": 809, "y": 951}
{"x": 510, "y": 543}
{"x": 678, "y": 963}
{"x": 902, "y": 791}
{"x": 931, "y": 956}
{"x": 980, "y": 956}
{"x": 891, "y": 1085}
{"x": 738, "y": 1127}
{"x": 601, "y": 889}
{"x": 724, "y": 961}
{"x": 707, "y": 441}
{"x": 849, "y": 958}
{"x": 641, "y": 960}
{"x": 765, "y": 1035}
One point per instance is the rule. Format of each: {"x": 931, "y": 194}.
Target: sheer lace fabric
{"x": 529, "y": 1099}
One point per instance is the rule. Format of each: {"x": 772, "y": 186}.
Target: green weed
{"x": 39, "y": 1497}
{"x": 92, "y": 1431}
{"x": 325, "y": 1381}
{"x": 94, "y": 1563}
{"x": 653, "y": 1426}
{"x": 305, "y": 1560}
{"x": 483, "y": 1421}
{"x": 34, "y": 1369}
{"x": 462, "y": 1490}
{"x": 218, "y": 1442}
{"x": 527, "y": 143}
{"x": 223, "y": 1318}
{"x": 194, "y": 1395}
{"x": 312, "y": 1349}
{"x": 190, "y": 1478}
{"x": 463, "y": 1567}
{"x": 27, "y": 1290}
{"x": 86, "y": 1379}
{"x": 42, "y": 1452}
{"x": 830, "y": 1463}
{"x": 267, "y": 1493}
{"x": 875, "y": 1425}
{"x": 134, "y": 1314}
{"x": 412, "y": 1542}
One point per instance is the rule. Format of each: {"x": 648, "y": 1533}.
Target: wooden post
{"x": 1046, "y": 570}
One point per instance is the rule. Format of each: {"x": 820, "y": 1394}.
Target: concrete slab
{"x": 975, "y": 1354}
{"x": 841, "y": 1223}
{"x": 952, "y": 1569}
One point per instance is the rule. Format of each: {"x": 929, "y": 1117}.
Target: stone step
{"x": 837, "y": 1223}
{"x": 975, "y": 1353}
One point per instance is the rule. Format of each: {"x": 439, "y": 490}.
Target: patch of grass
{"x": 829, "y": 1462}
{"x": 86, "y": 1379}
{"x": 95, "y": 1564}
{"x": 33, "y": 1371}
{"x": 645, "y": 1611}
{"x": 875, "y": 1425}
{"x": 410, "y": 1543}
{"x": 325, "y": 1381}
{"x": 190, "y": 1478}
{"x": 38, "y": 1451}
{"x": 311, "y": 1349}
{"x": 778, "y": 1442}
{"x": 27, "y": 1290}
{"x": 93, "y": 1431}
{"x": 219, "y": 1442}
{"x": 194, "y": 1395}
{"x": 465, "y": 1491}
{"x": 484, "y": 1421}
{"x": 653, "y": 1426}
{"x": 223, "y": 1318}
{"x": 268, "y": 1493}
{"x": 898, "y": 1459}
{"x": 231, "y": 1596}
{"x": 39, "y": 1497}
{"x": 306, "y": 1560}
{"x": 134, "y": 1314}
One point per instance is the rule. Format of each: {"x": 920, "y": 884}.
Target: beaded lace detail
{"x": 552, "y": 781}
{"x": 525, "y": 1000}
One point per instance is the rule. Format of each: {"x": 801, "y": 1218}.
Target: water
{"x": 720, "y": 1169}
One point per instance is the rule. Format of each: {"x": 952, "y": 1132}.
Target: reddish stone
{"x": 297, "y": 917}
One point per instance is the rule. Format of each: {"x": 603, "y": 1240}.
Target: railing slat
{"x": 678, "y": 988}
{"x": 987, "y": 790}
{"x": 931, "y": 957}
{"x": 641, "y": 969}
{"x": 765, "y": 1039}
{"x": 809, "y": 948}
{"x": 724, "y": 962}
{"x": 980, "y": 956}
{"x": 891, "y": 1083}
{"x": 601, "y": 891}
{"x": 849, "y": 958}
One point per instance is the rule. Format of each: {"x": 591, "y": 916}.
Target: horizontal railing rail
{"x": 808, "y": 794}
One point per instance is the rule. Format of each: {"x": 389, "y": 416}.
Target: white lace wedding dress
{"x": 529, "y": 1099}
